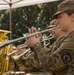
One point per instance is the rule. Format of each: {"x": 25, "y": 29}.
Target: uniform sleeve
{"x": 28, "y": 64}
{"x": 59, "y": 59}
{"x": 31, "y": 63}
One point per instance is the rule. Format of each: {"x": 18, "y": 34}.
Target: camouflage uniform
{"x": 61, "y": 59}
{"x": 11, "y": 65}
{"x": 33, "y": 64}
{"x": 28, "y": 64}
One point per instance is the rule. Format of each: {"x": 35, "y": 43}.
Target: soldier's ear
{"x": 72, "y": 17}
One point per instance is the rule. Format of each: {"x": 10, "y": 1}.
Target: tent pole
{"x": 10, "y": 19}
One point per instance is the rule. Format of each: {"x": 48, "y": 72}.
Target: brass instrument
{"x": 24, "y": 73}
{"x": 19, "y": 56}
{"x": 16, "y": 49}
{"x": 4, "y": 62}
{"x": 22, "y": 38}
{"x": 28, "y": 50}
{"x": 47, "y": 38}
{"x": 14, "y": 73}
{"x": 24, "y": 46}
{"x": 19, "y": 47}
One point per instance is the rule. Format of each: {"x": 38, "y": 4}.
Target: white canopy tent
{"x": 9, "y": 4}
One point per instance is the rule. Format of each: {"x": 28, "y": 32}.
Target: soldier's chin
{"x": 64, "y": 30}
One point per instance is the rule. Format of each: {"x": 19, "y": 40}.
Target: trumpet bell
{"x": 19, "y": 56}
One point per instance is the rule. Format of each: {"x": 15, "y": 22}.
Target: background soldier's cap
{"x": 5, "y": 31}
{"x": 53, "y": 24}
{"x": 64, "y": 6}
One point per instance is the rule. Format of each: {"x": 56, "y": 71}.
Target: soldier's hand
{"x": 21, "y": 51}
{"x": 34, "y": 30}
{"x": 31, "y": 41}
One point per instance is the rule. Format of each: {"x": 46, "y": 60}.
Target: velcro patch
{"x": 66, "y": 55}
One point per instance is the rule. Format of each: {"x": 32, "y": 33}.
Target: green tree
{"x": 26, "y": 17}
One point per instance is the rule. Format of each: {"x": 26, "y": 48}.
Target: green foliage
{"x": 26, "y": 17}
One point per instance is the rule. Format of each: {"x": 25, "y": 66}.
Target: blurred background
{"x": 25, "y": 17}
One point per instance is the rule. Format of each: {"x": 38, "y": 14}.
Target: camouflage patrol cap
{"x": 53, "y": 24}
{"x": 64, "y": 6}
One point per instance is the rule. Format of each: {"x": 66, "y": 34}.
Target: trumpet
{"x": 22, "y": 38}
{"x": 16, "y": 49}
{"x": 47, "y": 38}
{"x": 44, "y": 40}
{"x": 19, "y": 56}
{"x": 19, "y": 47}
{"x": 28, "y": 50}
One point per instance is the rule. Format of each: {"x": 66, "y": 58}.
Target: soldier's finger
{"x": 32, "y": 29}
{"x": 35, "y": 29}
{"x": 29, "y": 31}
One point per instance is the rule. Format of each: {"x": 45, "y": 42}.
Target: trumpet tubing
{"x": 18, "y": 56}
{"x": 44, "y": 41}
{"x": 22, "y": 38}
{"x": 11, "y": 53}
{"x": 16, "y": 49}
{"x": 48, "y": 38}
{"x": 21, "y": 46}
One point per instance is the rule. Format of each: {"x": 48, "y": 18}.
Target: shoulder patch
{"x": 66, "y": 55}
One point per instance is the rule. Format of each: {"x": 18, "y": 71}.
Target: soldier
{"x": 33, "y": 64}
{"x": 57, "y": 32}
{"x": 27, "y": 62}
{"x": 61, "y": 61}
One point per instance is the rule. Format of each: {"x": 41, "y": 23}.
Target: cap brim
{"x": 55, "y": 16}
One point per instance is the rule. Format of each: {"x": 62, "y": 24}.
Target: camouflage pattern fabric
{"x": 11, "y": 65}
{"x": 61, "y": 60}
{"x": 31, "y": 64}
{"x": 64, "y": 6}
